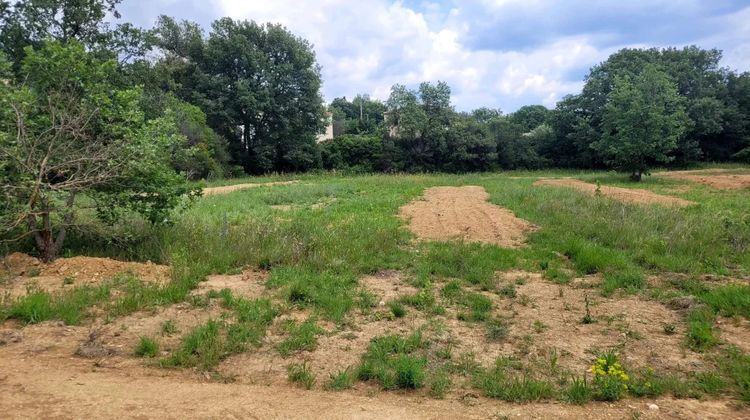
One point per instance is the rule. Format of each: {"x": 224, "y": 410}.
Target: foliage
{"x": 610, "y": 379}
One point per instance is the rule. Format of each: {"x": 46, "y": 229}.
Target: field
{"x": 539, "y": 294}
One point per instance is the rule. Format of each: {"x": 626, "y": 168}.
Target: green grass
{"x": 701, "y": 335}
{"x": 397, "y": 309}
{"x": 147, "y": 347}
{"x": 395, "y": 362}
{"x": 300, "y": 373}
{"x": 341, "y": 380}
{"x": 302, "y": 336}
{"x": 477, "y": 307}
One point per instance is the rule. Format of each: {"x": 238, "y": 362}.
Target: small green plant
{"x": 610, "y": 378}
{"x": 669, "y": 329}
{"x": 587, "y": 318}
{"x": 35, "y": 272}
{"x": 147, "y": 347}
{"x": 579, "y": 391}
{"x": 300, "y": 373}
{"x": 539, "y": 326}
{"x": 397, "y": 309}
{"x": 497, "y": 329}
{"x": 422, "y": 300}
{"x": 478, "y": 306}
{"x": 394, "y": 362}
{"x": 508, "y": 290}
{"x": 366, "y": 300}
{"x": 440, "y": 382}
{"x": 452, "y": 290}
{"x": 168, "y": 327}
{"x": 409, "y": 371}
{"x": 68, "y": 280}
{"x": 341, "y": 380}
{"x": 302, "y": 336}
{"x": 701, "y": 335}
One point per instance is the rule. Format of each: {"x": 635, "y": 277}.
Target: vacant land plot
{"x": 630, "y": 195}
{"x": 714, "y": 178}
{"x": 516, "y": 300}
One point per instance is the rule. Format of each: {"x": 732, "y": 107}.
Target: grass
{"x": 477, "y": 308}
{"x": 147, "y": 347}
{"x": 701, "y": 335}
{"x": 395, "y": 362}
{"x": 397, "y": 309}
{"x": 341, "y": 380}
{"x": 497, "y": 329}
{"x": 300, "y": 373}
{"x": 302, "y": 336}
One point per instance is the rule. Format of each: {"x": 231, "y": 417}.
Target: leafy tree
{"x": 259, "y": 85}
{"x": 67, "y": 134}
{"x": 360, "y": 116}
{"x": 643, "y": 120}
{"x": 530, "y": 116}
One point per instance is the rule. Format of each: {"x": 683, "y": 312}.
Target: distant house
{"x": 328, "y": 134}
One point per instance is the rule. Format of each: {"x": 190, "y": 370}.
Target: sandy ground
{"x": 229, "y": 188}
{"x": 51, "y": 370}
{"x": 446, "y": 213}
{"x": 630, "y": 195}
{"x": 715, "y": 178}
{"x": 28, "y": 273}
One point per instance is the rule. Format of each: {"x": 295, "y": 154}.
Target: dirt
{"x": 712, "y": 177}
{"x": 230, "y": 188}
{"x": 735, "y": 332}
{"x": 629, "y": 195}
{"x": 54, "y": 370}
{"x": 27, "y": 272}
{"x": 463, "y": 213}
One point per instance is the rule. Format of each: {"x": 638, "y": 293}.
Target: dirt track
{"x": 630, "y": 195}
{"x": 229, "y": 188}
{"x": 712, "y": 177}
{"x": 447, "y": 213}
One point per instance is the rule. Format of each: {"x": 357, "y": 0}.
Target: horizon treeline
{"x": 245, "y": 98}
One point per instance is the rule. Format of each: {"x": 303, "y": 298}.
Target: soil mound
{"x": 629, "y": 195}
{"x": 229, "y": 188}
{"x": 710, "y": 178}
{"x": 446, "y": 213}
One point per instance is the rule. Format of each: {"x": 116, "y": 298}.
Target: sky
{"x": 494, "y": 53}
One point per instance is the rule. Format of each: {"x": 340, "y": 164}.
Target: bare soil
{"x": 26, "y": 272}
{"x": 230, "y": 188}
{"x": 629, "y": 195}
{"x": 447, "y": 213}
{"x": 54, "y": 370}
{"x": 713, "y": 178}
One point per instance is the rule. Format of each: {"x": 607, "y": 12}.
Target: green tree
{"x": 259, "y": 86}
{"x": 643, "y": 120}
{"x": 68, "y": 133}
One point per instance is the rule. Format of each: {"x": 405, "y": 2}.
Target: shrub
{"x": 147, "y": 347}
{"x": 610, "y": 379}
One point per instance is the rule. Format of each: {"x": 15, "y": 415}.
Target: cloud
{"x": 496, "y": 53}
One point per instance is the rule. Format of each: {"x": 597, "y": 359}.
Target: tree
{"x": 643, "y": 120}
{"x": 259, "y": 86}
{"x": 68, "y": 133}
{"x": 530, "y": 117}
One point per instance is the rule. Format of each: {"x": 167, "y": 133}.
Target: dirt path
{"x": 446, "y": 213}
{"x": 630, "y": 195}
{"x": 52, "y": 387}
{"x": 709, "y": 177}
{"x": 229, "y": 188}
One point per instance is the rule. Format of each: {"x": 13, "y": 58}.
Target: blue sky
{"x": 496, "y": 53}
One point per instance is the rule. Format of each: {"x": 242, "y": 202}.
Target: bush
{"x": 147, "y": 347}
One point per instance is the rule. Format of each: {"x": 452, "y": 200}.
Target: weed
{"x": 610, "y": 379}
{"x": 168, "y": 327}
{"x": 301, "y": 337}
{"x": 631, "y": 280}
{"x": 508, "y": 290}
{"x": 587, "y": 318}
{"x": 478, "y": 307}
{"x": 700, "y": 334}
{"x": 68, "y": 280}
{"x": 422, "y": 300}
{"x": 669, "y": 329}
{"x": 147, "y": 347}
{"x": 366, "y": 300}
{"x": 579, "y": 391}
{"x": 301, "y": 373}
{"x": 440, "y": 382}
{"x": 497, "y": 329}
{"x": 452, "y": 290}
{"x": 538, "y": 326}
{"x": 496, "y": 383}
{"x": 397, "y": 309}
{"x": 393, "y": 363}
{"x": 341, "y": 380}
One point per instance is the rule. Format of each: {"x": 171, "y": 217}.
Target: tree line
{"x": 103, "y": 116}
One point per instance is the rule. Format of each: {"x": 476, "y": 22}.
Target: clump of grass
{"x": 440, "y": 382}
{"x": 68, "y": 280}
{"x": 735, "y": 367}
{"x": 366, "y": 300}
{"x": 147, "y": 347}
{"x": 330, "y": 293}
{"x": 730, "y": 300}
{"x": 478, "y": 308}
{"x": 669, "y": 329}
{"x": 539, "y": 326}
{"x": 497, "y": 329}
{"x": 203, "y": 347}
{"x": 393, "y": 362}
{"x": 300, "y": 373}
{"x": 473, "y": 262}
{"x": 397, "y": 309}
{"x": 508, "y": 290}
{"x": 701, "y": 335}
{"x": 579, "y": 392}
{"x": 630, "y": 280}
{"x": 71, "y": 306}
{"x": 341, "y": 380}
{"x": 168, "y": 327}
{"x": 498, "y": 383}
{"x": 452, "y": 290}
{"x": 422, "y": 300}
{"x": 302, "y": 336}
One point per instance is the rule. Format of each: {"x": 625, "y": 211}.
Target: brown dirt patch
{"x": 447, "y": 213}
{"x": 629, "y": 195}
{"x": 28, "y": 272}
{"x": 721, "y": 181}
{"x": 230, "y": 188}
{"x": 735, "y": 332}
{"x": 387, "y": 285}
{"x": 250, "y": 284}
